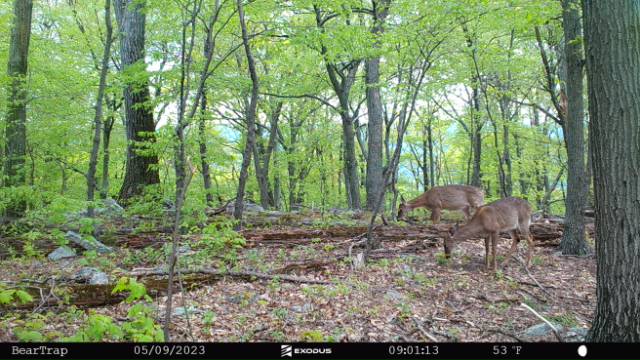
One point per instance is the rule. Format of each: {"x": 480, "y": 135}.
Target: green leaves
{"x": 137, "y": 291}
{"x": 9, "y": 296}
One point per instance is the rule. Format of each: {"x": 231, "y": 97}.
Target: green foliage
{"x": 313, "y": 336}
{"x": 98, "y": 328}
{"x": 139, "y": 327}
{"x": 11, "y": 296}
{"x": 441, "y": 259}
{"x": 137, "y": 291}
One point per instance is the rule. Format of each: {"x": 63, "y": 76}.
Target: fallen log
{"x": 244, "y": 275}
{"x": 85, "y": 295}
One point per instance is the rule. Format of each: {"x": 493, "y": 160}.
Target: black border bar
{"x": 318, "y": 351}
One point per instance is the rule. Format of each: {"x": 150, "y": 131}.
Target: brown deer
{"x": 508, "y": 215}
{"x": 451, "y": 197}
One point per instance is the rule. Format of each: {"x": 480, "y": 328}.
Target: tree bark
{"x": 250, "y": 118}
{"x": 97, "y": 120}
{"x": 16, "y": 126}
{"x": 106, "y": 154}
{"x": 573, "y": 240}
{"x": 374, "y": 179}
{"x": 202, "y": 136}
{"x": 141, "y": 169}
{"x": 612, "y": 33}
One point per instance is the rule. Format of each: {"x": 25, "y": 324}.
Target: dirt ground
{"x": 407, "y": 292}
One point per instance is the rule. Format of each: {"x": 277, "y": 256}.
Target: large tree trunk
{"x": 16, "y": 126}
{"x": 141, "y": 169}
{"x": 250, "y": 118}
{"x": 573, "y": 241}
{"x": 92, "y": 183}
{"x": 612, "y": 33}
{"x": 374, "y": 180}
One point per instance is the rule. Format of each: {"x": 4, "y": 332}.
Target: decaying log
{"x": 85, "y": 295}
{"x": 244, "y": 275}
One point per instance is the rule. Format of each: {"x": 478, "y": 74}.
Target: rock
{"x": 182, "y": 311}
{"x": 184, "y": 249}
{"x": 307, "y": 221}
{"x": 110, "y": 208}
{"x": 248, "y": 207}
{"x": 395, "y": 295}
{"x": 576, "y": 334}
{"x": 99, "y": 278}
{"x": 302, "y": 309}
{"x": 88, "y": 244}
{"x": 60, "y": 253}
{"x": 92, "y": 276}
{"x": 541, "y": 329}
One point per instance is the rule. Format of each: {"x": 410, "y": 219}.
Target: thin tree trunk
{"x": 573, "y": 240}
{"x": 97, "y": 121}
{"x": 16, "y": 124}
{"x": 612, "y": 34}
{"x": 106, "y": 155}
{"x": 250, "y": 119}
{"x": 432, "y": 169}
{"x": 202, "y": 136}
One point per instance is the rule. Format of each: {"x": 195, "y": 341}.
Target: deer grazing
{"x": 508, "y": 215}
{"x": 451, "y": 197}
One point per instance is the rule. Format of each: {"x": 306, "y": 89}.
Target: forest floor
{"x": 407, "y": 292}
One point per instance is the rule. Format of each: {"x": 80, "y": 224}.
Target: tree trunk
{"x": 573, "y": 241}
{"x": 612, "y": 33}
{"x": 476, "y": 174}
{"x": 16, "y": 131}
{"x": 106, "y": 155}
{"x": 374, "y": 179}
{"x": 432, "y": 169}
{"x": 250, "y": 118}
{"x": 425, "y": 163}
{"x": 202, "y": 136}
{"x": 141, "y": 169}
{"x": 97, "y": 121}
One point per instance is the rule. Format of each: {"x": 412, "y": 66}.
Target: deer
{"x": 450, "y": 197}
{"x": 506, "y": 215}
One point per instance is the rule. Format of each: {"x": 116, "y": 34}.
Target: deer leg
{"x": 435, "y": 215}
{"x": 529, "y": 246}
{"x": 494, "y": 245}
{"x": 487, "y": 242}
{"x": 515, "y": 239}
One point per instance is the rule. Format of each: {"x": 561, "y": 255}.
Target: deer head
{"x": 449, "y": 240}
